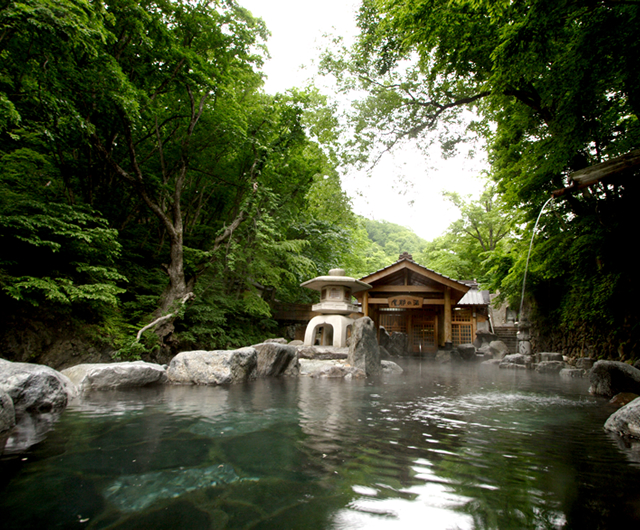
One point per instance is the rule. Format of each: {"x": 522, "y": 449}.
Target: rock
{"x": 585, "y": 363}
{"x": 498, "y": 349}
{"x": 322, "y": 353}
{"x": 363, "y": 351}
{"x": 330, "y": 369}
{"x": 307, "y": 352}
{"x": 340, "y": 371}
{"x": 279, "y": 340}
{"x": 512, "y": 366}
{"x": 626, "y": 420}
{"x": 385, "y": 338}
{"x": 467, "y": 351}
{"x": 34, "y": 387}
{"x": 131, "y": 493}
{"x": 398, "y": 344}
{"x": 549, "y": 356}
{"x": 213, "y": 367}
{"x": 296, "y": 343}
{"x": 491, "y": 362}
{"x": 384, "y": 354}
{"x": 550, "y": 367}
{"x": 571, "y": 373}
{"x": 30, "y": 429}
{"x": 275, "y": 358}
{"x": 7, "y": 412}
{"x": 447, "y": 356}
{"x": 516, "y": 358}
{"x": 609, "y": 378}
{"x": 391, "y": 368}
{"x": 484, "y": 337}
{"x": 623, "y": 398}
{"x": 108, "y": 376}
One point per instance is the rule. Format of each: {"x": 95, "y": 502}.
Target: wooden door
{"x": 424, "y": 332}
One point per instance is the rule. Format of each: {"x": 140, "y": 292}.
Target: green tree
{"x": 148, "y": 117}
{"x": 555, "y": 88}
{"x": 461, "y": 251}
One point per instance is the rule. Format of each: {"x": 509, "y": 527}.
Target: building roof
{"x": 475, "y": 297}
{"x": 469, "y": 295}
{"x": 406, "y": 258}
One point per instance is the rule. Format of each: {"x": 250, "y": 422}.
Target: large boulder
{"x": 385, "y": 338}
{"x": 391, "y": 368}
{"x": 363, "y": 350}
{"x": 623, "y": 398}
{"x": 330, "y": 369}
{"x": 626, "y": 420}
{"x": 108, "y": 376}
{"x": 322, "y": 353}
{"x": 516, "y": 358}
{"x": 7, "y": 412}
{"x": 585, "y": 363}
{"x": 279, "y": 340}
{"x": 498, "y": 349}
{"x": 398, "y": 344}
{"x": 34, "y": 387}
{"x": 571, "y": 373}
{"x": 484, "y": 337}
{"x": 213, "y": 367}
{"x": 550, "y": 367}
{"x": 609, "y": 378}
{"x": 276, "y": 359}
{"x": 447, "y": 356}
{"x": 467, "y": 351}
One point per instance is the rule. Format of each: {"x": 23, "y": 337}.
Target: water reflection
{"x": 445, "y": 448}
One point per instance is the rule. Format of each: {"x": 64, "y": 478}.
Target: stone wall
{"x": 584, "y": 341}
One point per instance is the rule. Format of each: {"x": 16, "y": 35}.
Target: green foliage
{"x": 152, "y": 112}
{"x": 58, "y": 254}
{"x": 484, "y": 226}
{"x": 555, "y": 87}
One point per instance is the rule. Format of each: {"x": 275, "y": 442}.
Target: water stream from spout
{"x": 526, "y": 267}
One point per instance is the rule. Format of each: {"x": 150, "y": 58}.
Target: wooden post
{"x": 365, "y": 303}
{"x": 448, "y": 335}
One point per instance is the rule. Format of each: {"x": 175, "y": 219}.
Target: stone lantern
{"x": 335, "y": 304}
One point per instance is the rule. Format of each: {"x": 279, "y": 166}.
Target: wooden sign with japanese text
{"x": 405, "y": 302}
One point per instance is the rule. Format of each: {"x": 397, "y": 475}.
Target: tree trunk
{"x": 176, "y": 291}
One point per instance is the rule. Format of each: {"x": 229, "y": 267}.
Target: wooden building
{"x": 432, "y": 309}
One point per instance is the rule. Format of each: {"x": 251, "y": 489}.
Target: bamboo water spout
{"x": 526, "y": 267}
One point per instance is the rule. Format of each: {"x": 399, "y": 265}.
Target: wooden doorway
{"x": 420, "y": 326}
{"x": 424, "y": 332}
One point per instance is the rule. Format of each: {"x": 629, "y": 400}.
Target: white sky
{"x": 405, "y": 187}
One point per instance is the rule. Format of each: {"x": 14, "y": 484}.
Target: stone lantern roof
{"x": 335, "y": 292}
{"x": 334, "y": 307}
{"x": 336, "y": 277}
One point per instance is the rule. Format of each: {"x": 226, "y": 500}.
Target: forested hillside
{"x": 153, "y": 197}
{"x": 146, "y": 177}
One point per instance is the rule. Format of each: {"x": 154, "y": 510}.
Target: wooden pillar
{"x": 448, "y": 334}
{"x": 365, "y": 303}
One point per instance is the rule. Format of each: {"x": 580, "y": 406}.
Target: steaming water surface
{"x": 440, "y": 448}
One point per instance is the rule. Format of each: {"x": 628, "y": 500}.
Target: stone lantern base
{"x": 339, "y": 323}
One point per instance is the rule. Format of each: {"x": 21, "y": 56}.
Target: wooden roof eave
{"x": 593, "y": 174}
{"x": 405, "y": 264}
